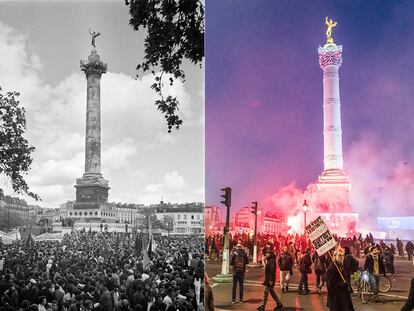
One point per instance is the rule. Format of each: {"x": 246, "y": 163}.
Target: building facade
{"x": 184, "y": 218}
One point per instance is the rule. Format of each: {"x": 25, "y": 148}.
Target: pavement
{"x": 253, "y": 291}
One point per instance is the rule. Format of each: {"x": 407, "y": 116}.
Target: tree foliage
{"x": 175, "y": 31}
{"x": 15, "y": 151}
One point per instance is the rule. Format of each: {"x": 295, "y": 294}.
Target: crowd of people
{"x": 333, "y": 269}
{"x": 103, "y": 271}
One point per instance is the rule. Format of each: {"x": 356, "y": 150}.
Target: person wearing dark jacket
{"x": 388, "y": 258}
{"x": 285, "y": 263}
{"x": 305, "y": 264}
{"x": 269, "y": 282}
{"x": 349, "y": 267}
{"x": 339, "y": 298}
{"x": 209, "y": 299}
{"x": 319, "y": 264}
{"x": 409, "y": 304}
{"x": 409, "y": 247}
{"x": 105, "y": 300}
{"x": 238, "y": 261}
{"x": 375, "y": 267}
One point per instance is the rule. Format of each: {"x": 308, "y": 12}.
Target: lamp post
{"x": 305, "y": 207}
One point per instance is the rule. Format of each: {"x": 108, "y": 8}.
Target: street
{"x": 253, "y": 291}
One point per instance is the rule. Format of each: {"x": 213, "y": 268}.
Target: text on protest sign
{"x": 320, "y": 236}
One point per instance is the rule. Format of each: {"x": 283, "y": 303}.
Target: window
{"x": 96, "y": 213}
{"x": 80, "y": 213}
{"x": 178, "y": 217}
{"x": 90, "y": 213}
{"x": 76, "y": 213}
{"x": 192, "y": 216}
{"x": 70, "y": 213}
{"x": 185, "y": 216}
{"x": 198, "y": 217}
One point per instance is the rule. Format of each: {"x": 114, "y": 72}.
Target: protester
{"x": 375, "y": 267}
{"x": 400, "y": 247}
{"x": 351, "y": 266}
{"x": 409, "y": 247}
{"x": 409, "y": 304}
{"x": 319, "y": 264}
{"x": 238, "y": 261}
{"x": 339, "y": 297}
{"x": 285, "y": 262}
{"x": 209, "y": 299}
{"x": 103, "y": 271}
{"x": 305, "y": 264}
{"x": 388, "y": 258}
{"x": 270, "y": 281}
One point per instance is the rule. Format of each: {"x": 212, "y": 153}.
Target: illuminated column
{"x": 330, "y": 59}
{"x": 333, "y": 184}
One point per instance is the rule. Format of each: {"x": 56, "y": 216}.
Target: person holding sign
{"x": 339, "y": 297}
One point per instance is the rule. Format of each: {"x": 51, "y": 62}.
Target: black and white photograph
{"x": 101, "y": 155}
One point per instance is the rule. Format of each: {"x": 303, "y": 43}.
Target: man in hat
{"x": 238, "y": 261}
{"x": 270, "y": 281}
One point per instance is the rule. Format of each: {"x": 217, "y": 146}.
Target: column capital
{"x": 94, "y": 65}
{"x": 330, "y": 54}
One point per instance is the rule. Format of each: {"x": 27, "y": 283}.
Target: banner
{"x": 320, "y": 236}
{"x": 49, "y": 237}
{"x": 10, "y": 237}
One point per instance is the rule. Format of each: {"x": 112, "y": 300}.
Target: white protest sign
{"x": 320, "y": 236}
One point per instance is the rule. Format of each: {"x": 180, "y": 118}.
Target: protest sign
{"x": 320, "y": 236}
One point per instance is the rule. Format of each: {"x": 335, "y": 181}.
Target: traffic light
{"x": 254, "y": 208}
{"x": 226, "y": 196}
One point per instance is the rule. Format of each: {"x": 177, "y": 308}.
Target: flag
{"x": 117, "y": 242}
{"x": 146, "y": 261}
{"x": 30, "y": 242}
{"x": 138, "y": 244}
{"x": 150, "y": 246}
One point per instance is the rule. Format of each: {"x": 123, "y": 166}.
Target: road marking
{"x": 259, "y": 284}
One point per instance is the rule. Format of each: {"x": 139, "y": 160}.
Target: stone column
{"x": 330, "y": 59}
{"x": 92, "y": 188}
{"x": 93, "y": 69}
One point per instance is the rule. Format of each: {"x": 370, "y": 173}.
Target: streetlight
{"x": 305, "y": 207}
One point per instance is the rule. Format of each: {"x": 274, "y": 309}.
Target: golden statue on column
{"x": 330, "y": 25}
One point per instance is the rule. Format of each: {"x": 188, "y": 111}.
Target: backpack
{"x": 239, "y": 262}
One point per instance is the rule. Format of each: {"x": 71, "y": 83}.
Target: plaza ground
{"x": 253, "y": 291}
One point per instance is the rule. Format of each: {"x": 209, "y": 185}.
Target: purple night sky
{"x": 264, "y": 99}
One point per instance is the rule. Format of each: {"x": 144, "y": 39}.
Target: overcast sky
{"x": 264, "y": 93}
{"x": 41, "y": 44}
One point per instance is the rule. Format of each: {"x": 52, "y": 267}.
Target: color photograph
{"x": 309, "y": 154}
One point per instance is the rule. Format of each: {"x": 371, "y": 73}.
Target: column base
{"x": 334, "y": 187}
{"x": 223, "y": 278}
